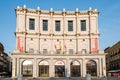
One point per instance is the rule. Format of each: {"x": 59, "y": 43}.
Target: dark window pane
{"x": 45, "y": 25}
{"x": 58, "y": 51}
{"x": 31, "y": 24}
{"x": 83, "y": 25}
{"x": 70, "y": 25}
{"x": 45, "y": 51}
{"x": 70, "y": 51}
{"x": 57, "y": 25}
{"x": 31, "y": 50}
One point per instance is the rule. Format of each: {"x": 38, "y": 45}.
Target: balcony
{"x": 61, "y": 53}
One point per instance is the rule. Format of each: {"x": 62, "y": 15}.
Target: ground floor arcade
{"x": 35, "y": 65}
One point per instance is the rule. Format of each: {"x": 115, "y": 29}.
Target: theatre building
{"x": 53, "y": 43}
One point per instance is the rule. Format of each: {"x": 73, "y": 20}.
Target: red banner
{"x": 94, "y": 45}
{"x": 20, "y": 43}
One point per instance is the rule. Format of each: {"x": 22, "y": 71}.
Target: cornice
{"x": 53, "y": 12}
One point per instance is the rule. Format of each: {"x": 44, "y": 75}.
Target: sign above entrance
{"x": 75, "y": 63}
{"x": 44, "y": 63}
{"x": 59, "y": 63}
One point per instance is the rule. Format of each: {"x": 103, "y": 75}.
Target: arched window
{"x": 75, "y": 69}
{"x": 91, "y": 67}
{"x": 27, "y": 68}
{"x": 59, "y": 69}
{"x": 44, "y": 69}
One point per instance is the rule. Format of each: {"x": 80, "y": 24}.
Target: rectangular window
{"x": 57, "y": 25}
{"x": 84, "y": 51}
{"x": 45, "y": 51}
{"x": 70, "y": 51}
{"x": 83, "y": 25}
{"x": 31, "y": 50}
{"x": 45, "y": 25}
{"x": 70, "y": 25}
{"x": 58, "y": 51}
{"x": 32, "y": 24}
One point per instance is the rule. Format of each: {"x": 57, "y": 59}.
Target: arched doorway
{"x": 44, "y": 69}
{"x": 59, "y": 69}
{"x": 75, "y": 69}
{"x": 91, "y": 68}
{"x": 27, "y": 68}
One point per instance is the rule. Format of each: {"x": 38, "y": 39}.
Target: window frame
{"x": 70, "y": 25}
{"x": 57, "y": 51}
{"x": 45, "y": 25}
{"x": 45, "y": 51}
{"x": 31, "y": 24}
{"x": 71, "y": 51}
{"x": 31, "y": 50}
{"x": 83, "y": 25}
{"x": 57, "y": 26}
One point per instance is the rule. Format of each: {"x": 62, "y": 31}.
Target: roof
{"x": 1, "y": 45}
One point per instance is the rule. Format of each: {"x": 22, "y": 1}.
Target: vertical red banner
{"x": 20, "y": 44}
{"x": 94, "y": 45}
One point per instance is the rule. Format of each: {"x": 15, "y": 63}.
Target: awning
{"x": 114, "y": 71}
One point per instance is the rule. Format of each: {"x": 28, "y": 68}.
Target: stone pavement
{"x": 62, "y": 78}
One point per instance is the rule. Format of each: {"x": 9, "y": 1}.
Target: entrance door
{"x": 59, "y": 69}
{"x": 91, "y": 67}
{"x": 44, "y": 69}
{"x": 75, "y": 69}
{"x": 27, "y": 68}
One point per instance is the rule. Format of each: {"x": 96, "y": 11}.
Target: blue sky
{"x": 109, "y": 18}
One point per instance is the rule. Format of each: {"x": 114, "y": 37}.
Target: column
{"x": 51, "y": 68}
{"x": 34, "y": 68}
{"x": 52, "y": 48}
{"x": 84, "y": 67}
{"x": 25, "y": 29}
{"x": 18, "y": 66}
{"x": 90, "y": 36}
{"x": 81, "y": 67}
{"x": 37, "y": 68}
{"x": 77, "y": 30}
{"x": 67, "y": 68}
{"x": 104, "y": 66}
{"x": 100, "y": 68}
{"x": 13, "y": 67}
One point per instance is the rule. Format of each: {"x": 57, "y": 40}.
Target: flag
{"x": 60, "y": 45}
{"x": 55, "y": 46}
{"x": 65, "y": 47}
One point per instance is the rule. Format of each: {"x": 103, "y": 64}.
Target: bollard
{"x": 88, "y": 77}
{"x": 19, "y": 77}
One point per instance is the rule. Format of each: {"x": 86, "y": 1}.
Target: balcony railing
{"x": 61, "y": 53}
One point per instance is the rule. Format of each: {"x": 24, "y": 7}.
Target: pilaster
{"x": 13, "y": 67}
{"x": 104, "y": 67}
{"x": 84, "y": 67}
{"x": 100, "y": 68}
{"x": 18, "y": 66}
{"x": 51, "y": 68}
{"x": 35, "y": 68}
{"x": 67, "y": 68}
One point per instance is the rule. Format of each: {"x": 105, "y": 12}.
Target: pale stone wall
{"x": 91, "y": 27}
{"x": 38, "y": 40}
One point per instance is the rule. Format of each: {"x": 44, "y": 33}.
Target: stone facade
{"x": 113, "y": 59}
{"x": 57, "y": 38}
{"x": 5, "y": 62}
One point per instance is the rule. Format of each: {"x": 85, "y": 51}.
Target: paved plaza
{"x": 63, "y": 78}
